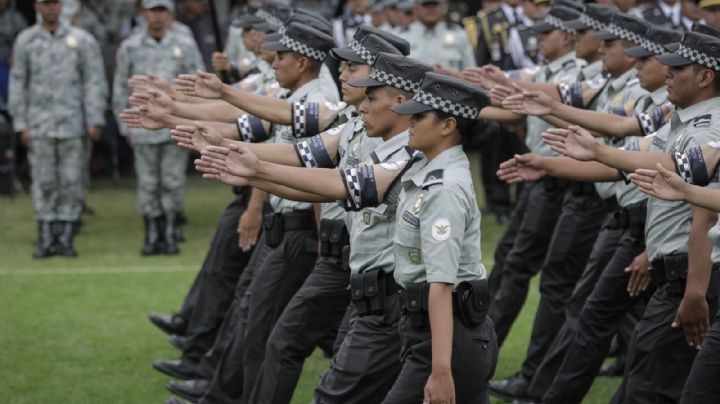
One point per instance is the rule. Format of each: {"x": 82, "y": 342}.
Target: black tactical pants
{"x": 568, "y": 253}
{"x": 368, "y": 361}
{"x": 525, "y": 258}
{"x": 474, "y": 356}
{"x": 702, "y": 385}
{"x": 312, "y": 316}
{"x": 599, "y": 321}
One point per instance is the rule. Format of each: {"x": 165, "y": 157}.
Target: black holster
{"x": 333, "y": 238}
{"x": 346, "y": 258}
{"x": 276, "y": 224}
{"x": 417, "y": 304}
{"x": 272, "y": 226}
{"x": 473, "y": 301}
{"x": 368, "y": 291}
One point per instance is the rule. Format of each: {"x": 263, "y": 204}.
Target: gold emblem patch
{"x": 418, "y": 204}
{"x": 415, "y": 256}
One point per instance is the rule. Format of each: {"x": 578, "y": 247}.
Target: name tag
{"x": 659, "y": 143}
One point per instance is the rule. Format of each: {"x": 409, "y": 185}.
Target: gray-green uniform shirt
{"x": 668, "y": 222}
{"x": 174, "y": 54}
{"x": 564, "y": 68}
{"x": 619, "y": 94}
{"x": 313, "y": 91}
{"x": 443, "y": 44}
{"x": 57, "y": 82}
{"x": 372, "y": 228}
{"x": 626, "y": 193}
{"x": 437, "y": 235}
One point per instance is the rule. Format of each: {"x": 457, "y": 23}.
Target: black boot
{"x": 171, "y": 225}
{"x": 152, "y": 236}
{"x": 65, "y": 240}
{"x": 46, "y": 241}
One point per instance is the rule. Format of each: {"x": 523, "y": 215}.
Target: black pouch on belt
{"x": 375, "y": 290}
{"x": 357, "y": 294}
{"x": 273, "y": 226}
{"x": 417, "y": 297}
{"x": 472, "y": 301}
{"x": 346, "y": 258}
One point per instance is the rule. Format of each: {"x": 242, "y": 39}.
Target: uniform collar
{"x": 63, "y": 29}
{"x": 510, "y": 13}
{"x": 557, "y": 64}
{"x": 593, "y": 69}
{"x": 387, "y": 149}
{"x": 441, "y": 162}
{"x": 693, "y": 111}
{"x": 671, "y": 12}
{"x": 440, "y": 26}
{"x": 152, "y": 41}
{"x": 620, "y": 82}
{"x": 307, "y": 88}
{"x": 659, "y": 96}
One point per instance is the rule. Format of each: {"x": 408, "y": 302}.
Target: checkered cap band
{"x": 683, "y": 165}
{"x": 362, "y": 51}
{"x": 243, "y": 125}
{"x": 591, "y": 22}
{"x": 626, "y": 34}
{"x": 393, "y": 80}
{"x": 303, "y": 149}
{"x": 270, "y": 19}
{"x": 653, "y": 47}
{"x": 352, "y": 184}
{"x": 446, "y": 106}
{"x": 303, "y": 49}
{"x": 557, "y": 23}
{"x": 698, "y": 57}
{"x": 299, "y": 119}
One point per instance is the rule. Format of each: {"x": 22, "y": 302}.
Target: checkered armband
{"x": 251, "y": 129}
{"x": 571, "y": 94}
{"x": 654, "y": 119}
{"x": 360, "y": 186}
{"x": 305, "y": 119}
{"x": 313, "y": 154}
{"x": 691, "y": 166}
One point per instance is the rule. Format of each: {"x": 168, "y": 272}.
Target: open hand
{"x": 212, "y": 173}
{"x": 574, "y": 142}
{"x": 660, "y": 183}
{"x": 535, "y": 103}
{"x": 203, "y": 84}
{"x": 521, "y": 168}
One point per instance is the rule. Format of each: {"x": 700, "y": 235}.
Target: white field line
{"x": 96, "y": 271}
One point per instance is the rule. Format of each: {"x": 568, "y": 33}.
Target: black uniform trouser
{"x": 599, "y": 320}
{"x": 568, "y": 253}
{"x": 273, "y": 284}
{"x": 499, "y": 147}
{"x": 659, "y": 357}
{"x": 605, "y": 246}
{"x": 313, "y": 314}
{"x": 474, "y": 356}
{"x": 702, "y": 385}
{"x": 235, "y": 321}
{"x": 507, "y": 240}
{"x": 368, "y": 361}
{"x": 525, "y": 258}
{"x": 220, "y": 272}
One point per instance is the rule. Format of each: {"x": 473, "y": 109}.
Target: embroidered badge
{"x": 415, "y": 256}
{"x": 441, "y": 229}
{"x": 71, "y": 42}
{"x": 659, "y": 143}
{"x": 395, "y": 166}
{"x": 410, "y": 218}
{"x": 418, "y": 204}
{"x": 176, "y": 51}
{"x": 366, "y": 217}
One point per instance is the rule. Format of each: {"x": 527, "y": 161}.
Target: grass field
{"x": 75, "y": 331}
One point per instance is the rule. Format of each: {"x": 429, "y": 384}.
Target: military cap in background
{"x": 654, "y": 42}
{"x": 595, "y": 16}
{"x": 557, "y": 18}
{"x": 275, "y": 14}
{"x": 397, "y": 71}
{"x": 148, "y": 4}
{"x": 304, "y": 40}
{"x": 368, "y": 42}
{"x": 447, "y": 94}
{"x": 694, "y": 48}
{"x": 629, "y": 28}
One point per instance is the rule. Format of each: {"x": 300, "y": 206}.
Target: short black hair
{"x": 716, "y": 81}
{"x": 464, "y": 126}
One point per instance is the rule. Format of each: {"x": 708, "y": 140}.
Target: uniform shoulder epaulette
{"x": 569, "y": 63}
{"x": 702, "y": 121}
{"x": 434, "y": 177}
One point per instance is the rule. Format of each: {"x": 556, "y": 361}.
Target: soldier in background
{"x": 57, "y": 96}
{"x": 159, "y": 163}
{"x": 11, "y": 23}
{"x": 711, "y": 12}
{"x": 355, "y": 14}
{"x": 405, "y": 15}
{"x": 664, "y": 12}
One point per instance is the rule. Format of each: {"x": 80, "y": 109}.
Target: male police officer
{"x": 57, "y": 95}
{"x": 159, "y": 163}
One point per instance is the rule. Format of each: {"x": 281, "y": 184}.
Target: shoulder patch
{"x": 702, "y": 121}
{"x": 568, "y": 64}
{"x": 434, "y": 177}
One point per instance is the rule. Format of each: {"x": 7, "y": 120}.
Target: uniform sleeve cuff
{"x": 440, "y": 278}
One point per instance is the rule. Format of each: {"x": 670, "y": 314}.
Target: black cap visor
{"x": 411, "y": 107}
{"x": 543, "y": 28}
{"x": 674, "y": 60}
{"x": 638, "y": 52}
{"x": 366, "y": 82}
{"x": 577, "y": 25}
{"x": 277, "y": 47}
{"x": 346, "y": 54}
{"x": 604, "y": 36}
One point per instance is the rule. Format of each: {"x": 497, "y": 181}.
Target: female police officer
{"x": 449, "y": 347}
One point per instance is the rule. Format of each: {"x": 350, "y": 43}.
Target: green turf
{"x": 83, "y": 337}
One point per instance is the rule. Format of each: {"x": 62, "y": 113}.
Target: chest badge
{"x": 415, "y": 256}
{"x": 176, "y": 51}
{"x": 449, "y": 39}
{"x": 366, "y": 217}
{"x": 71, "y": 42}
{"x": 355, "y": 148}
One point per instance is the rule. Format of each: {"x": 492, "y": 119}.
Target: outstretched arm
{"x": 532, "y": 167}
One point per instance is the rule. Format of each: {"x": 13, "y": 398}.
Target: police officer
{"x": 159, "y": 163}
{"x": 286, "y": 231}
{"x": 710, "y": 12}
{"x": 435, "y": 41}
{"x": 355, "y": 13}
{"x": 664, "y": 13}
{"x": 620, "y": 240}
{"x": 659, "y": 357}
{"x": 539, "y": 204}
{"x": 11, "y": 23}
{"x": 47, "y": 54}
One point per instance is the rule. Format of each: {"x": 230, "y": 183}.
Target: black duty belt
{"x": 582, "y": 188}
{"x": 672, "y": 270}
{"x": 293, "y": 221}
{"x": 470, "y": 302}
{"x": 369, "y": 289}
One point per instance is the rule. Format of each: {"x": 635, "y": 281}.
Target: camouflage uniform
{"x": 57, "y": 120}
{"x": 159, "y": 163}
